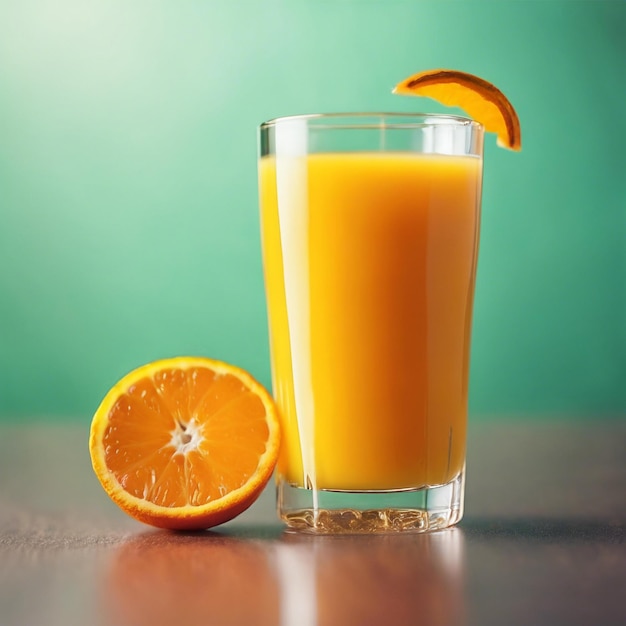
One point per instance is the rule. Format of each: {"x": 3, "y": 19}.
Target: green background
{"x": 128, "y": 198}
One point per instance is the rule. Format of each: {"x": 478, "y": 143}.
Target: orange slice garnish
{"x": 481, "y": 100}
{"x": 185, "y": 443}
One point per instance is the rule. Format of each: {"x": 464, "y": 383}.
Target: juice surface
{"x": 370, "y": 262}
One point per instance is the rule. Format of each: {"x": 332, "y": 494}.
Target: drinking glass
{"x": 370, "y": 226}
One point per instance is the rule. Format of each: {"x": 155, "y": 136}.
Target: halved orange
{"x": 185, "y": 443}
{"x": 481, "y": 100}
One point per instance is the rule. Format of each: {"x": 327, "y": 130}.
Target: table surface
{"x": 542, "y": 542}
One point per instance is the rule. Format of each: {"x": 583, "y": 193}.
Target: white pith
{"x": 186, "y": 437}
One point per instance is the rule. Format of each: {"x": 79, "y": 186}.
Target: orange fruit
{"x": 481, "y": 100}
{"x": 185, "y": 443}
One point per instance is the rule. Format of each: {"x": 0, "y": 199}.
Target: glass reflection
{"x": 378, "y": 579}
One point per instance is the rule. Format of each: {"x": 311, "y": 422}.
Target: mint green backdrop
{"x": 128, "y": 207}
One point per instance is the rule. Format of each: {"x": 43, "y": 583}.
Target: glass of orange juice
{"x": 370, "y": 227}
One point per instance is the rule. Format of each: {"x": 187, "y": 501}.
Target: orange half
{"x": 481, "y": 100}
{"x": 185, "y": 443}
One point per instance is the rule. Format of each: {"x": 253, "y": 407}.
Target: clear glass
{"x": 370, "y": 226}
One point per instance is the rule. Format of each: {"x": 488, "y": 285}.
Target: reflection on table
{"x": 163, "y": 578}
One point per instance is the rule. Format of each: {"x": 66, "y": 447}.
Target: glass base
{"x": 339, "y": 512}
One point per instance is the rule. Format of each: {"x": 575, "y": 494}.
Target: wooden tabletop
{"x": 542, "y": 542}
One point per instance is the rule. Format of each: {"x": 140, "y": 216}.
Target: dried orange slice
{"x": 481, "y": 100}
{"x": 185, "y": 443}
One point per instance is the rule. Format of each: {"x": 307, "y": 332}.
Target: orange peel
{"x": 480, "y": 99}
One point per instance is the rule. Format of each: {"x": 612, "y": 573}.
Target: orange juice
{"x": 370, "y": 262}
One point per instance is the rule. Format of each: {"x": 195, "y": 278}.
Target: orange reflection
{"x": 205, "y": 578}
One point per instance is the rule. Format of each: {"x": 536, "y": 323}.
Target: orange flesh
{"x": 185, "y": 437}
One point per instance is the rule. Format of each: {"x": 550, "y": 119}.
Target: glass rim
{"x": 377, "y": 120}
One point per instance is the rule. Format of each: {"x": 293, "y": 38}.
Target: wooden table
{"x": 542, "y": 543}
